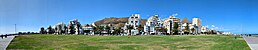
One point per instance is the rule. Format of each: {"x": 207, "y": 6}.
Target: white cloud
{"x": 175, "y": 14}
{"x": 212, "y": 26}
{"x": 221, "y": 28}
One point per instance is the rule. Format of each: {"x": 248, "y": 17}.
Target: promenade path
{"x": 5, "y": 42}
{"x": 252, "y": 41}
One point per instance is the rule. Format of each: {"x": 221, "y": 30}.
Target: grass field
{"x": 83, "y": 42}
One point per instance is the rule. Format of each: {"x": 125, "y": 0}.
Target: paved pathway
{"x": 252, "y": 42}
{"x": 5, "y": 42}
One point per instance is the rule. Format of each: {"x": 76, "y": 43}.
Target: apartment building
{"x": 197, "y": 24}
{"x": 152, "y": 23}
{"x": 134, "y": 21}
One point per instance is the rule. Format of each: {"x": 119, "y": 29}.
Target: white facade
{"x": 151, "y": 24}
{"x": 169, "y": 23}
{"x": 197, "y": 22}
{"x": 204, "y": 29}
{"x": 134, "y": 20}
{"x": 227, "y": 33}
{"x": 88, "y": 28}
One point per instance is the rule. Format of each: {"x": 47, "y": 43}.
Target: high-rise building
{"x": 197, "y": 23}
{"x": 169, "y": 23}
{"x": 152, "y": 23}
{"x": 134, "y": 21}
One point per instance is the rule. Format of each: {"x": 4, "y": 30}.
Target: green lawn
{"x": 83, "y": 42}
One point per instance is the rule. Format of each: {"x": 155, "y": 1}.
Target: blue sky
{"x": 30, "y": 15}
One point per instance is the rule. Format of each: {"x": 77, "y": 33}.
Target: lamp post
{"x": 14, "y": 28}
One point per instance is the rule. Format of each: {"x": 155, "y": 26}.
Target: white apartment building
{"x": 197, "y": 22}
{"x": 88, "y": 29}
{"x": 134, "y": 20}
{"x": 151, "y": 24}
{"x": 169, "y": 23}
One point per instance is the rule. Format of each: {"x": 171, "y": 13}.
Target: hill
{"x": 116, "y": 22}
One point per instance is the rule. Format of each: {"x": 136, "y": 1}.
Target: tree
{"x": 55, "y": 30}
{"x": 72, "y": 31}
{"x": 107, "y": 28}
{"x": 95, "y": 29}
{"x": 193, "y": 30}
{"x": 50, "y": 30}
{"x": 186, "y": 30}
{"x": 129, "y": 27}
{"x": 42, "y": 30}
{"x": 65, "y": 30}
{"x": 175, "y": 28}
{"x": 99, "y": 29}
{"x": 163, "y": 30}
{"x": 212, "y": 32}
{"x": 59, "y": 28}
{"x": 117, "y": 31}
{"x": 78, "y": 27}
{"x": 157, "y": 30}
{"x": 140, "y": 29}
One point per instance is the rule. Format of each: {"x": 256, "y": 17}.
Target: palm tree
{"x": 129, "y": 27}
{"x": 59, "y": 28}
{"x": 50, "y": 30}
{"x": 65, "y": 30}
{"x": 42, "y": 30}
{"x": 56, "y": 31}
{"x": 78, "y": 27}
{"x": 72, "y": 31}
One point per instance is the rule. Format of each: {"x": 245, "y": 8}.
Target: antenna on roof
{"x": 14, "y": 28}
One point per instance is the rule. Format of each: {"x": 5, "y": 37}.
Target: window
{"x": 131, "y": 17}
{"x": 131, "y": 21}
{"x": 136, "y": 17}
{"x": 136, "y": 21}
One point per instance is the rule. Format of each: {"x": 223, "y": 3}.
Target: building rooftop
{"x": 185, "y": 20}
